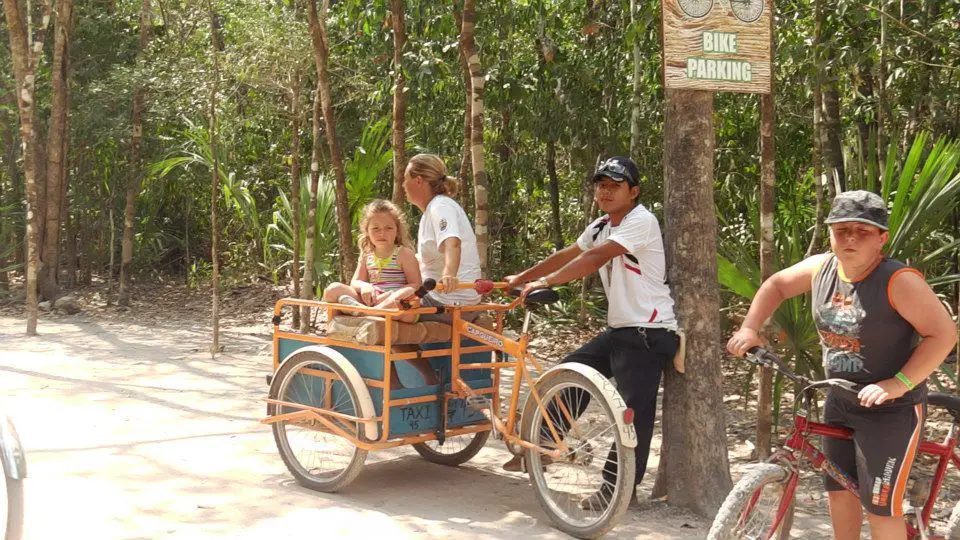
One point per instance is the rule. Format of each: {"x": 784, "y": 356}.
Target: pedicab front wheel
{"x": 586, "y": 490}
{"x": 316, "y": 455}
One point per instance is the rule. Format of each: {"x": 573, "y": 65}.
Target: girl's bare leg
{"x": 393, "y": 300}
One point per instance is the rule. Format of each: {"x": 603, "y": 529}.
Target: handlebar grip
{"x": 428, "y": 285}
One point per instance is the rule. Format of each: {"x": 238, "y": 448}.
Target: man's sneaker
{"x": 350, "y": 301}
{"x": 516, "y": 463}
{"x": 601, "y": 499}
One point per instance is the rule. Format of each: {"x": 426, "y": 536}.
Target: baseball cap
{"x": 861, "y": 206}
{"x": 620, "y": 169}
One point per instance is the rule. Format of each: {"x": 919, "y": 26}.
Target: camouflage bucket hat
{"x": 860, "y": 206}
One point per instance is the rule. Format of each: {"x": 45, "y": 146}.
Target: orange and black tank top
{"x": 864, "y": 339}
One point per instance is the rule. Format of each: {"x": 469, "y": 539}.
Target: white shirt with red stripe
{"x": 635, "y": 282}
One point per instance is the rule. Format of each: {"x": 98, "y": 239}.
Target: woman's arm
{"x": 451, "y": 263}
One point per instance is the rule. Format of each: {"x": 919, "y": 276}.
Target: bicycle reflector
{"x": 628, "y": 415}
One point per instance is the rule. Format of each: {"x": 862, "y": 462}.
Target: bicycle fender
{"x": 11, "y": 452}
{"x": 369, "y": 430}
{"x": 628, "y": 434}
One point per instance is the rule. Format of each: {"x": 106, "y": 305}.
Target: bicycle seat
{"x": 542, "y": 296}
{"x": 949, "y": 402}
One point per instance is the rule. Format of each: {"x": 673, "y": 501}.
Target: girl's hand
{"x": 880, "y": 392}
{"x": 368, "y": 294}
{"x": 743, "y": 340}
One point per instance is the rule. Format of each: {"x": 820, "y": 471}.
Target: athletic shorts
{"x": 879, "y": 457}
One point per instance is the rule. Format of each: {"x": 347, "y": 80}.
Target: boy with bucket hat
{"x": 869, "y": 311}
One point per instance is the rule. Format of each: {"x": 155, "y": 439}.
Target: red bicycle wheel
{"x": 760, "y": 506}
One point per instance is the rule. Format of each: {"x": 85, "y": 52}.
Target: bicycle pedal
{"x": 478, "y": 403}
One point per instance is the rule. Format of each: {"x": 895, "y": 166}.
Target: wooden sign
{"x": 718, "y": 45}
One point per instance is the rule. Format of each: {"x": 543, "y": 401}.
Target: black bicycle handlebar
{"x": 763, "y": 357}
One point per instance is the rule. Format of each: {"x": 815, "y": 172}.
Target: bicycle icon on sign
{"x": 747, "y": 11}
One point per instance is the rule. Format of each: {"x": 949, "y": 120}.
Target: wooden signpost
{"x": 718, "y": 45}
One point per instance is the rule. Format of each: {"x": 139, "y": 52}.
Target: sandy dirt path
{"x": 132, "y": 431}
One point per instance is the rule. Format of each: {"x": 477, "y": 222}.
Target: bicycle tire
{"x": 14, "y": 507}
{"x": 301, "y": 473}
{"x": 459, "y": 457}
{"x": 953, "y": 524}
{"x": 537, "y": 467}
{"x": 737, "y": 508}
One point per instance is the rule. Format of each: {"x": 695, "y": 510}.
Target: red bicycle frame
{"x": 798, "y": 448}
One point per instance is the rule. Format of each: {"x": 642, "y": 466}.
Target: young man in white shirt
{"x": 626, "y": 247}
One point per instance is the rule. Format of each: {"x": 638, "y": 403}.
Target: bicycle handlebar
{"x": 763, "y": 357}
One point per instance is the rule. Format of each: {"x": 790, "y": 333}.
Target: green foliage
{"x": 369, "y": 160}
{"x": 325, "y": 251}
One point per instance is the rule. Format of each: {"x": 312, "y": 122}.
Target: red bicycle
{"x": 761, "y": 505}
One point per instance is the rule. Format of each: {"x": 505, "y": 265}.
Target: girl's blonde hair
{"x": 378, "y": 206}
{"x": 434, "y": 171}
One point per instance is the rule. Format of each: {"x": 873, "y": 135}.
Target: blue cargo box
{"x": 421, "y": 417}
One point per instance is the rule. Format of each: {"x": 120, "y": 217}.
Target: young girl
{"x": 387, "y": 270}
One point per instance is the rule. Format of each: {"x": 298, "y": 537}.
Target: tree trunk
{"x": 399, "y": 103}
{"x": 480, "y": 184}
{"x": 306, "y": 289}
{"x": 636, "y": 117}
{"x": 555, "y": 225}
{"x": 833, "y": 138}
{"x": 26, "y": 52}
{"x": 767, "y": 259}
{"x": 133, "y": 179}
{"x": 919, "y": 101}
{"x": 818, "y": 227}
{"x": 694, "y": 431}
{"x": 8, "y": 122}
{"x": 214, "y": 184}
{"x": 883, "y": 105}
{"x": 463, "y": 193}
{"x": 318, "y": 33}
{"x": 295, "y": 187}
{"x": 866, "y": 125}
{"x": 56, "y": 156}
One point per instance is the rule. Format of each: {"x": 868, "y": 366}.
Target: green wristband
{"x": 905, "y": 380}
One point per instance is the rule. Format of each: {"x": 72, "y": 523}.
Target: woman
{"x": 446, "y": 244}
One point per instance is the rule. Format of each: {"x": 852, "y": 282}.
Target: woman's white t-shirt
{"x": 443, "y": 218}
{"x": 635, "y": 282}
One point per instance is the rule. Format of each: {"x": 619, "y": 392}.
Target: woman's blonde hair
{"x": 378, "y": 206}
{"x": 434, "y": 171}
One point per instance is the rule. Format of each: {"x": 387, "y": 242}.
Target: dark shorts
{"x": 879, "y": 457}
{"x": 445, "y": 317}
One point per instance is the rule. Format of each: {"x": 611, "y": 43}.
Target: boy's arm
{"x": 551, "y": 264}
{"x": 787, "y": 283}
{"x": 916, "y": 302}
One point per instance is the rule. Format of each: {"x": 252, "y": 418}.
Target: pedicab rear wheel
{"x": 566, "y": 484}
{"x": 317, "y": 458}
{"x": 455, "y": 450}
